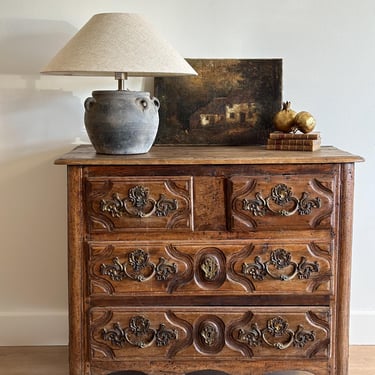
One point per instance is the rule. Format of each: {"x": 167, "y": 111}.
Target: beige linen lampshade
{"x": 119, "y": 45}
{"x": 118, "y": 42}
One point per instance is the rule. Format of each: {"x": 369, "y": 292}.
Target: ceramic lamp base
{"x": 122, "y": 122}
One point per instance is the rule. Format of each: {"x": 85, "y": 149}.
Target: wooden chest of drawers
{"x": 232, "y": 260}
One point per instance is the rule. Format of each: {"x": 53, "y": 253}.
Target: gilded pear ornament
{"x": 304, "y": 122}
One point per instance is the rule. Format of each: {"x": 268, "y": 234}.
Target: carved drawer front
{"x": 179, "y": 268}
{"x": 282, "y": 202}
{"x": 122, "y": 204}
{"x": 231, "y": 333}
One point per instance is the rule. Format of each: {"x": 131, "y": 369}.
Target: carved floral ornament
{"x": 138, "y": 203}
{"x": 281, "y": 202}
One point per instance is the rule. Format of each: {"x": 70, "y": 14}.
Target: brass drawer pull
{"x": 281, "y": 202}
{"x": 138, "y": 204}
{"x": 277, "y": 334}
{"x": 138, "y": 267}
{"x": 280, "y": 259}
{"x": 139, "y": 334}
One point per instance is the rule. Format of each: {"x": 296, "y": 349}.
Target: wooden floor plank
{"x": 53, "y": 360}
{"x": 362, "y": 360}
{"x": 34, "y": 360}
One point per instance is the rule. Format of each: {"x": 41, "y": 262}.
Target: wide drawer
{"x": 282, "y": 202}
{"x": 118, "y": 334}
{"x": 123, "y": 204}
{"x": 224, "y": 268}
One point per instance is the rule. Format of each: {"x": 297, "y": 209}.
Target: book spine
{"x": 293, "y": 147}
{"x": 290, "y": 142}
{"x": 279, "y": 135}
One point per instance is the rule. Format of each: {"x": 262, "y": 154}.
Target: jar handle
{"x": 156, "y": 102}
{"x": 89, "y": 102}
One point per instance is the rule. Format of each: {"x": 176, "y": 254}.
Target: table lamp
{"x": 121, "y": 45}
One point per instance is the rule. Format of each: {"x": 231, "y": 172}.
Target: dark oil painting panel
{"x": 230, "y": 102}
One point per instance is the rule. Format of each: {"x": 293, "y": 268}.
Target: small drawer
{"x": 118, "y": 334}
{"x": 180, "y": 268}
{"x": 139, "y": 204}
{"x": 281, "y": 202}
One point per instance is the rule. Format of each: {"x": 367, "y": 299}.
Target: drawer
{"x": 223, "y": 268}
{"x": 123, "y": 204}
{"x": 118, "y": 334}
{"x": 281, "y": 202}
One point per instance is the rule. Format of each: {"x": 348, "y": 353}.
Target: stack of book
{"x": 294, "y": 141}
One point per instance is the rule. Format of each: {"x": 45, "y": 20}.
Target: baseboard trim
{"x": 51, "y": 328}
{"x": 362, "y": 328}
{"x": 33, "y": 328}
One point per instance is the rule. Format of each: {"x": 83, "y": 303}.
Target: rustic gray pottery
{"x": 122, "y": 122}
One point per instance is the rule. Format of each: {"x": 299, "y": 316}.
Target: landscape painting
{"x": 230, "y": 102}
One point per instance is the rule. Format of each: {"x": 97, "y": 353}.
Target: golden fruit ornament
{"x": 304, "y": 122}
{"x": 284, "y": 119}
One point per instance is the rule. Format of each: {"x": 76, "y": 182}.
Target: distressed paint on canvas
{"x": 230, "y": 102}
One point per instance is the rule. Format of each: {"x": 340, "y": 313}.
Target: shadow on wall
{"x": 30, "y": 114}
{"x": 33, "y": 119}
{"x": 37, "y": 125}
{"x": 27, "y": 45}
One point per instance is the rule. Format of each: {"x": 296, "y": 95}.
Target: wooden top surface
{"x": 182, "y": 155}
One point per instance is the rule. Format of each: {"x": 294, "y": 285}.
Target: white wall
{"x": 328, "y": 48}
